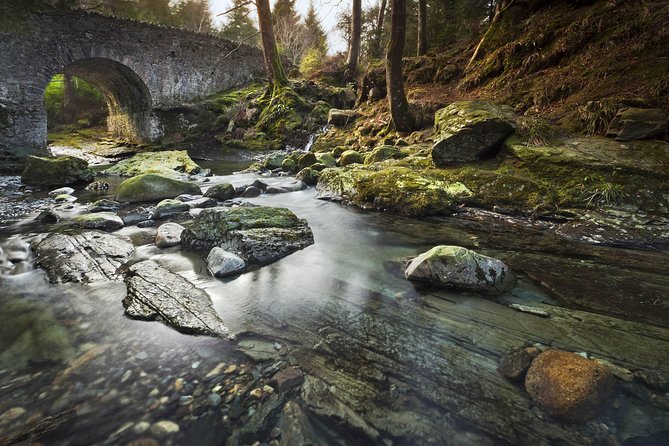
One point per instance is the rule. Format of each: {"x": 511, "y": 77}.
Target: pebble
{"x": 178, "y": 384}
{"x": 164, "y": 428}
{"x": 267, "y": 389}
{"x": 126, "y": 376}
{"x": 256, "y": 393}
{"x": 214, "y": 399}
{"x": 216, "y": 370}
{"x": 141, "y": 427}
{"x": 142, "y": 355}
{"x": 154, "y": 393}
{"x": 232, "y": 368}
{"x": 195, "y": 365}
{"x": 11, "y": 414}
{"x": 185, "y": 400}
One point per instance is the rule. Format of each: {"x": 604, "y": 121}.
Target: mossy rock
{"x": 56, "y": 171}
{"x": 167, "y": 163}
{"x": 319, "y": 113}
{"x": 105, "y": 221}
{"x": 275, "y": 160}
{"x": 327, "y": 159}
{"x": 152, "y": 187}
{"x": 351, "y": 157}
{"x": 306, "y": 160}
{"x": 283, "y": 113}
{"x": 383, "y": 153}
{"x": 308, "y": 175}
{"x": 289, "y": 165}
{"x": 223, "y": 191}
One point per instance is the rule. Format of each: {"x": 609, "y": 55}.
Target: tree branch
{"x": 241, "y": 42}
{"x": 236, "y": 8}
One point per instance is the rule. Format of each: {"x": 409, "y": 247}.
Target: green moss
{"x": 169, "y": 163}
{"x": 57, "y": 171}
{"x": 151, "y": 187}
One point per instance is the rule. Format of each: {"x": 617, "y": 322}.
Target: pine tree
{"x": 239, "y": 26}
{"x": 193, "y": 15}
{"x": 284, "y": 11}
{"x": 314, "y": 32}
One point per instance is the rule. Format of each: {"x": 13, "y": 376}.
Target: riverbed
{"x": 376, "y": 359}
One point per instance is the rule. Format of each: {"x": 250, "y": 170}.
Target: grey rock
{"x": 87, "y": 257}
{"x": 48, "y": 216}
{"x": 468, "y": 131}
{"x": 169, "y": 234}
{"x": 223, "y": 191}
{"x": 104, "y": 205}
{"x": 105, "y": 221}
{"x": 155, "y": 293}
{"x": 201, "y": 203}
{"x": 222, "y": 263}
{"x": 250, "y": 192}
{"x": 168, "y": 208}
{"x": 165, "y": 428}
{"x": 462, "y": 269}
{"x": 61, "y": 191}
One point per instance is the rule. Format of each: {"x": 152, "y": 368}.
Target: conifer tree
{"x": 239, "y": 26}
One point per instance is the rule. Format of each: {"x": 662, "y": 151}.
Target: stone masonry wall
{"x": 139, "y": 67}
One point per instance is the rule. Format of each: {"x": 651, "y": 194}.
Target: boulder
{"x": 171, "y": 163}
{"x": 169, "y": 234}
{"x": 289, "y": 165}
{"x": 308, "y": 175}
{"x": 569, "y": 386}
{"x": 222, "y": 263}
{"x": 259, "y": 235}
{"x": 461, "y": 269}
{"x": 88, "y": 257}
{"x": 168, "y": 208}
{"x": 151, "y": 187}
{"x": 468, "y": 131}
{"x": 223, "y": 191}
{"x": 61, "y": 190}
{"x": 155, "y": 293}
{"x": 338, "y": 117}
{"x": 105, "y": 221}
{"x": 57, "y": 171}
{"x": 351, "y": 157}
{"x": 250, "y": 192}
{"x": 383, "y": 153}
{"x": 326, "y": 159}
{"x": 204, "y": 202}
{"x": 639, "y": 123}
{"x": 306, "y": 160}
{"x": 275, "y": 160}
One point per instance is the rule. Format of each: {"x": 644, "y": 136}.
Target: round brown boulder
{"x": 567, "y": 385}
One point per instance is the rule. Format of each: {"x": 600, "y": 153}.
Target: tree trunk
{"x": 273, "y": 66}
{"x": 399, "y": 107}
{"x": 354, "y": 48}
{"x": 422, "y": 28}
{"x": 500, "y": 7}
{"x": 378, "y": 31}
{"x": 68, "y": 98}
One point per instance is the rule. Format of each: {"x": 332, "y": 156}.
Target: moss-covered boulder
{"x": 289, "y": 165}
{"x": 308, "y": 175}
{"x": 275, "y": 160}
{"x": 326, "y": 159}
{"x": 306, "y": 160}
{"x": 222, "y": 191}
{"x": 168, "y": 163}
{"x": 383, "y": 153}
{"x": 468, "y": 131}
{"x": 632, "y": 123}
{"x": 105, "y": 221}
{"x": 341, "y": 117}
{"x": 461, "y": 269}
{"x": 168, "y": 208}
{"x": 55, "y": 171}
{"x": 395, "y": 189}
{"x": 259, "y": 235}
{"x": 351, "y": 157}
{"x": 569, "y": 386}
{"x": 151, "y": 187}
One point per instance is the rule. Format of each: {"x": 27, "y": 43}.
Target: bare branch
{"x": 241, "y": 42}
{"x": 236, "y": 8}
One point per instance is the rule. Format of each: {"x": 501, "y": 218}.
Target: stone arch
{"x": 128, "y": 98}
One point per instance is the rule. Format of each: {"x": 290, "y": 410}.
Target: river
{"x": 383, "y": 361}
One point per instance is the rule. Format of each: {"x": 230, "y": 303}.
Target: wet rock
{"x": 275, "y": 160}
{"x": 223, "y": 191}
{"x": 295, "y": 428}
{"x": 57, "y": 171}
{"x": 251, "y": 192}
{"x": 657, "y": 379}
{"x": 169, "y": 234}
{"x": 171, "y": 163}
{"x": 351, "y": 157}
{"x": 260, "y": 184}
{"x": 340, "y": 118}
{"x": 515, "y": 362}
{"x": 272, "y": 190}
{"x": 165, "y": 428}
{"x": 48, "y": 216}
{"x": 470, "y": 131}
{"x": 201, "y": 203}
{"x": 306, "y": 160}
{"x": 151, "y": 187}
{"x": 87, "y": 257}
{"x": 105, "y": 221}
{"x": 639, "y": 123}
{"x": 286, "y": 379}
{"x": 326, "y": 159}
{"x": 258, "y": 349}
{"x": 105, "y": 205}
{"x": 154, "y": 293}
{"x": 568, "y": 386}
{"x": 98, "y": 186}
{"x": 221, "y": 263}
{"x": 308, "y": 175}
{"x": 136, "y": 216}
{"x": 61, "y": 191}
{"x": 462, "y": 269}
{"x": 258, "y": 235}
{"x": 65, "y": 198}
{"x": 11, "y": 415}
{"x": 168, "y": 208}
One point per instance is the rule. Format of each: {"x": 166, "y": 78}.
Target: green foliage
{"x": 87, "y": 101}
{"x": 312, "y": 61}
{"x": 606, "y": 194}
{"x": 239, "y": 25}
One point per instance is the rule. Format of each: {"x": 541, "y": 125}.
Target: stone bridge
{"x": 140, "y": 68}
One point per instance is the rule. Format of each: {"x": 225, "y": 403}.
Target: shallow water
{"x": 119, "y": 373}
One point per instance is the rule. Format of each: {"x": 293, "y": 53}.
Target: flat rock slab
{"x": 154, "y": 293}
{"x": 87, "y": 257}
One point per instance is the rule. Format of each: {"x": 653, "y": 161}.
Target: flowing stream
{"x": 417, "y": 363}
